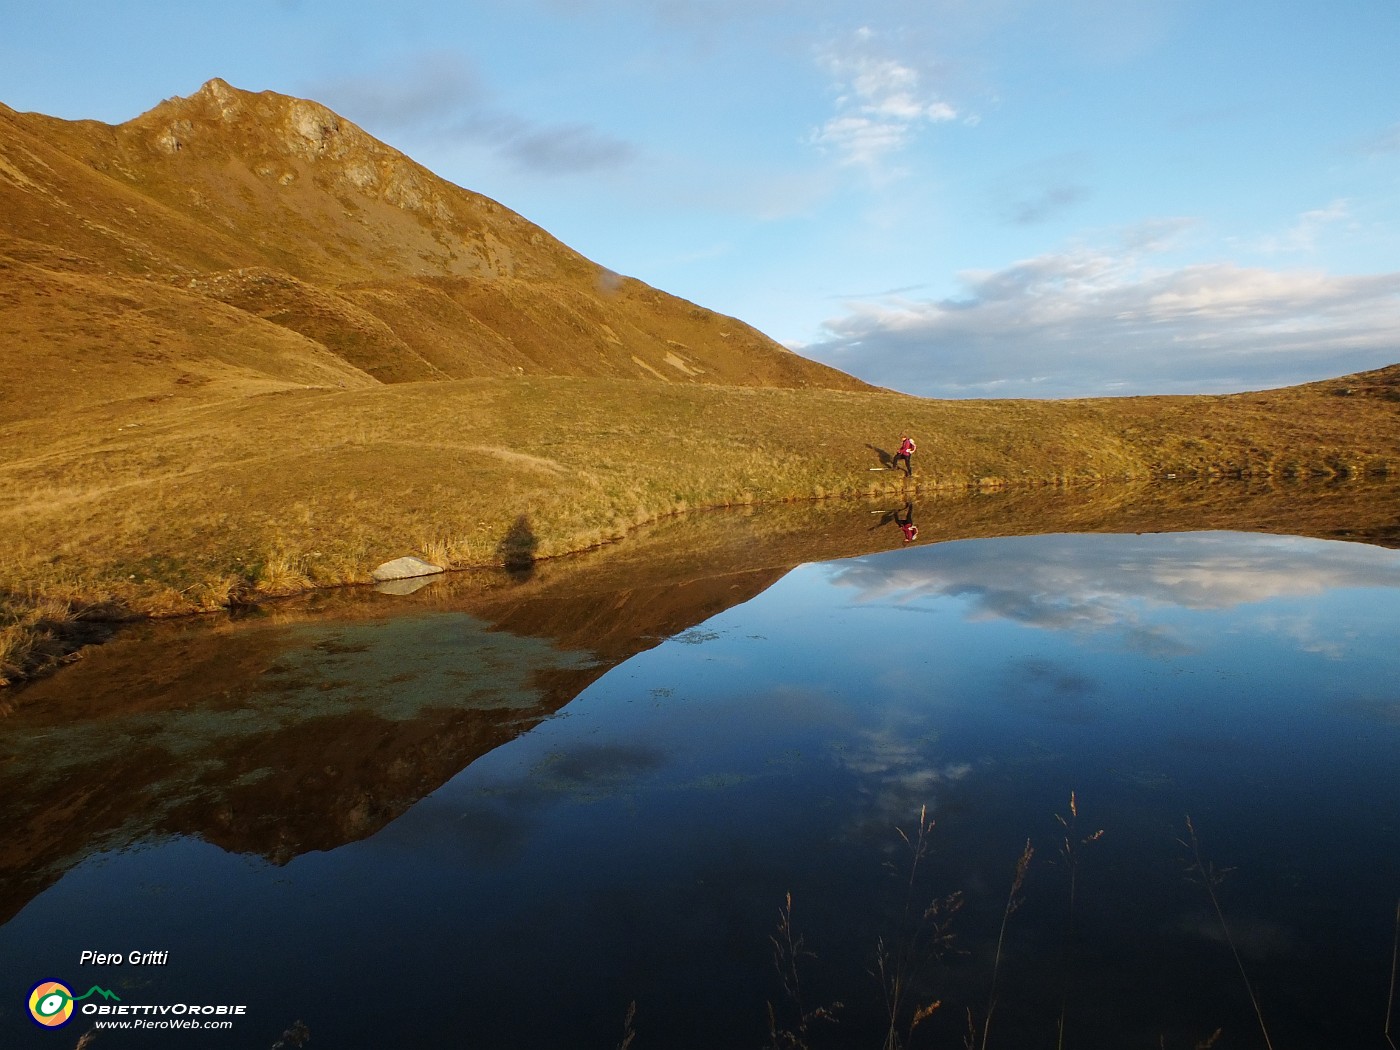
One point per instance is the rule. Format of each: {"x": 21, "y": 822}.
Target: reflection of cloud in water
{"x": 1094, "y": 582}
{"x": 896, "y": 776}
{"x": 1056, "y": 610}
{"x": 1254, "y": 938}
{"x": 589, "y": 768}
{"x": 1154, "y": 640}
{"x": 498, "y": 822}
{"x": 1307, "y": 635}
{"x": 1381, "y": 710}
{"x": 1052, "y": 690}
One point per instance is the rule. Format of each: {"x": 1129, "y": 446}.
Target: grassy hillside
{"x": 164, "y": 506}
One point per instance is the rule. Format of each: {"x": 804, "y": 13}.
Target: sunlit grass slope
{"x": 164, "y": 507}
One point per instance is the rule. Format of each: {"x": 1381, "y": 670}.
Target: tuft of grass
{"x": 216, "y": 591}
{"x": 1014, "y": 900}
{"x": 281, "y": 572}
{"x": 16, "y": 646}
{"x": 898, "y": 962}
{"x": 1394, "y": 967}
{"x": 296, "y": 1035}
{"x": 1070, "y": 845}
{"x": 438, "y": 551}
{"x": 1211, "y": 877}
{"x": 629, "y": 1032}
{"x": 917, "y": 939}
{"x": 789, "y": 949}
{"x": 34, "y": 633}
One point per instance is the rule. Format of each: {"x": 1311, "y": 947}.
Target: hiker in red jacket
{"x": 906, "y": 450}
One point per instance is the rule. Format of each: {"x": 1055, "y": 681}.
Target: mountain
{"x": 233, "y": 243}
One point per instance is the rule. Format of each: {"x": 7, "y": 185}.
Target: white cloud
{"x": 1041, "y": 189}
{"x": 423, "y": 89}
{"x": 882, "y": 103}
{"x": 1045, "y": 203}
{"x": 438, "y": 92}
{"x": 1387, "y": 141}
{"x": 1304, "y": 234}
{"x": 547, "y": 149}
{"x": 1088, "y": 321}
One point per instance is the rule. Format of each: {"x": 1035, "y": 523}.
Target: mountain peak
{"x": 218, "y": 93}
{"x": 220, "y": 115}
{"x": 219, "y": 88}
{"x": 216, "y": 97}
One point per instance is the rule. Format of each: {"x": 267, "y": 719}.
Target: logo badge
{"x": 51, "y": 1004}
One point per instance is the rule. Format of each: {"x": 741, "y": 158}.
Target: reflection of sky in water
{"x": 1218, "y": 643}
{"x": 637, "y": 845}
{"x": 1248, "y": 680}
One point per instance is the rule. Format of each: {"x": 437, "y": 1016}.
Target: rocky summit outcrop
{"x": 232, "y": 240}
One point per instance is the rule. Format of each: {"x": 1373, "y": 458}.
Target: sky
{"x": 951, "y": 198}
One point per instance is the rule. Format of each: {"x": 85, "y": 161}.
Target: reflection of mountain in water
{"x": 281, "y": 738}
{"x": 320, "y": 721}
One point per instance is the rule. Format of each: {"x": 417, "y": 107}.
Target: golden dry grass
{"x": 184, "y": 507}
{"x": 35, "y": 632}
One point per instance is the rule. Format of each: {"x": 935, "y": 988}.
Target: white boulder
{"x": 406, "y": 568}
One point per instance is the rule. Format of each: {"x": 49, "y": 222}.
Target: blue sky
{"x": 954, "y": 198}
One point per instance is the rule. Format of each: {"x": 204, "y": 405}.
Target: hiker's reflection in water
{"x": 904, "y": 519}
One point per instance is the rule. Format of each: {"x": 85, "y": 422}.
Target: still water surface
{"x": 636, "y": 842}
